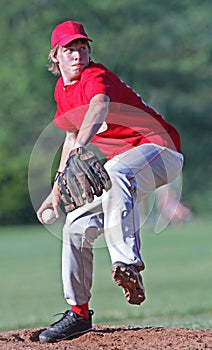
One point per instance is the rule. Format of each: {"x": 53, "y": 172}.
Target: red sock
{"x": 81, "y": 310}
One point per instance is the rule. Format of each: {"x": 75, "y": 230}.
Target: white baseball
{"x": 48, "y": 216}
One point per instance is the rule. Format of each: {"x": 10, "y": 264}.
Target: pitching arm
{"x": 93, "y": 119}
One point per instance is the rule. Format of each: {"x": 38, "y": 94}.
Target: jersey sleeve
{"x": 99, "y": 80}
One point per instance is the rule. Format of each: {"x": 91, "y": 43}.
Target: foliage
{"x": 162, "y": 49}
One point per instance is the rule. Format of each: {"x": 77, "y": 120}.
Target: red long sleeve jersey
{"x": 130, "y": 122}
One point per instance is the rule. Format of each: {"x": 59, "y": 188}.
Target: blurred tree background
{"x": 162, "y": 49}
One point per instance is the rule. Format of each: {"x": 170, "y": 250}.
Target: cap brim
{"x": 68, "y": 39}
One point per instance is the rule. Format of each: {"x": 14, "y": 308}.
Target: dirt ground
{"x": 113, "y": 338}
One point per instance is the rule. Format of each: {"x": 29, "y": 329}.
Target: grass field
{"x": 177, "y": 279}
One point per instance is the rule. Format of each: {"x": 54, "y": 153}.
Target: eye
{"x": 68, "y": 50}
{"x": 83, "y": 48}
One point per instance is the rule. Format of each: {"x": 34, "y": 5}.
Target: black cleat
{"x": 68, "y": 326}
{"x": 129, "y": 278}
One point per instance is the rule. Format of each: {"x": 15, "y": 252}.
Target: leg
{"x": 121, "y": 220}
{"x": 77, "y": 258}
{"x": 79, "y": 233}
{"x": 135, "y": 174}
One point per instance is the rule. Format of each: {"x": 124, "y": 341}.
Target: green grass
{"x": 177, "y": 279}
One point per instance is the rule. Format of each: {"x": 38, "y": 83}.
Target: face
{"x": 72, "y": 60}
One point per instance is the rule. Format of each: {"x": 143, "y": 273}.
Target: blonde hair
{"x": 53, "y": 67}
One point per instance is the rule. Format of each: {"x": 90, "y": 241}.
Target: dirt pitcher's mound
{"x": 114, "y": 338}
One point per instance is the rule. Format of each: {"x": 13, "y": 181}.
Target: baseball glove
{"x": 83, "y": 177}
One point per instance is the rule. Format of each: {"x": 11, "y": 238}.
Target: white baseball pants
{"x": 135, "y": 174}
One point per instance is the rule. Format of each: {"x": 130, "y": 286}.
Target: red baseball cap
{"x": 66, "y": 32}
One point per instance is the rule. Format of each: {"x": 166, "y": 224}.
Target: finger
{"x": 74, "y": 188}
{"x": 103, "y": 176}
{"x": 56, "y": 201}
{"x": 71, "y": 174}
{"x": 90, "y": 174}
{"x": 86, "y": 187}
{"x": 56, "y": 208}
{"x": 39, "y": 216}
{"x": 40, "y": 213}
{"x": 65, "y": 195}
{"x": 45, "y": 205}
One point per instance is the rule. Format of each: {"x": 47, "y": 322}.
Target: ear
{"x": 53, "y": 56}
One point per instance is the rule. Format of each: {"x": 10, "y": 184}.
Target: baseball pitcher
{"x": 101, "y": 196}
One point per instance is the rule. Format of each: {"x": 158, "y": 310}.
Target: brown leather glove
{"x": 83, "y": 177}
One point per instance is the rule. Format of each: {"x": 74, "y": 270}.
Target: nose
{"x": 77, "y": 55}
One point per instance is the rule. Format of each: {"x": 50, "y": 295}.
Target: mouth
{"x": 77, "y": 65}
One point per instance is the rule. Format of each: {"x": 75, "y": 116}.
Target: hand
{"x": 83, "y": 177}
{"x": 52, "y": 201}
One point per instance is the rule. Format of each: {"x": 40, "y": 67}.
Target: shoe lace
{"x": 64, "y": 321}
